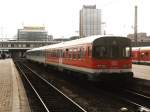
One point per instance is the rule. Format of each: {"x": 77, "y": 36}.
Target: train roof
{"x": 38, "y": 48}
{"x": 141, "y": 48}
{"x": 80, "y": 41}
{"x": 75, "y": 42}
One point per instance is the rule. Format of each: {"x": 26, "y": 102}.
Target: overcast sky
{"x": 61, "y": 17}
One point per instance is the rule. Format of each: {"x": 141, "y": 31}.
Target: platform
{"x": 12, "y": 94}
{"x": 141, "y": 71}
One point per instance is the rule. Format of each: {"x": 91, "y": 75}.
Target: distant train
{"x": 96, "y": 57}
{"x": 141, "y": 55}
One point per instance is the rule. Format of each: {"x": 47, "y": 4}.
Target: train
{"x": 141, "y": 55}
{"x": 94, "y": 58}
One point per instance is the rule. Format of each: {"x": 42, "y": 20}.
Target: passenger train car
{"x": 97, "y": 57}
{"x": 141, "y": 55}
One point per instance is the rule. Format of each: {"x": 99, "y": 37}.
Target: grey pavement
{"x": 12, "y": 94}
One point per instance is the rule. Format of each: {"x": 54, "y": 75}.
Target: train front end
{"x": 112, "y": 58}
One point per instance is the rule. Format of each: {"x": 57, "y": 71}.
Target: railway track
{"x": 132, "y": 101}
{"x": 140, "y": 102}
{"x": 49, "y": 98}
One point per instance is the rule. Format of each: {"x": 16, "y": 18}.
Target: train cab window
{"x": 112, "y": 52}
{"x": 115, "y": 51}
{"x": 126, "y": 52}
{"x": 120, "y": 52}
{"x": 100, "y": 51}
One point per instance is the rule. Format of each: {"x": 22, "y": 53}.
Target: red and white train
{"x": 97, "y": 57}
{"x": 141, "y": 55}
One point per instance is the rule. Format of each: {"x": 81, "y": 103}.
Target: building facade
{"x": 32, "y": 34}
{"x": 141, "y": 37}
{"x": 90, "y": 21}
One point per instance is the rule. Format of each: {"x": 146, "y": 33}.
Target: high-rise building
{"x": 32, "y": 33}
{"x": 90, "y": 21}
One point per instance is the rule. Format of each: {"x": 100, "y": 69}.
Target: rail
{"x": 50, "y": 97}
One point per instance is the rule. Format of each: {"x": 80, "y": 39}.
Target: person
{"x": 3, "y": 56}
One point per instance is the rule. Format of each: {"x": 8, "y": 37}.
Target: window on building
{"x": 27, "y": 45}
{"x": 12, "y": 45}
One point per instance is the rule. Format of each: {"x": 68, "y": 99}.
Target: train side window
{"x": 50, "y": 53}
{"x": 53, "y": 53}
{"x": 82, "y": 52}
{"x": 63, "y": 54}
{"x": 70, "y": 53}
{"x": 57, "y": 53}
{"x": 88, "y": 51}
{"x": 74, "y": 53}
{"x": 77, "y": 55}
{"x": 67, "y": 53}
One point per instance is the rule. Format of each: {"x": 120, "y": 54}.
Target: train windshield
{"x": 112, "y": 52}
{"x": 112, "y": 48}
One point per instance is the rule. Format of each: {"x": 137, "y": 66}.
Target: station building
{"x": 32, "y": 33}
{"x": 27, "y": 38}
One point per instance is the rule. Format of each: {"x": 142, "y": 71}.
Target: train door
{"x": 60, "y": 57}
{"x": 60, "y": 54}
{"x": 139, "y": 55}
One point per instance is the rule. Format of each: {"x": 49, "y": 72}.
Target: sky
{"x": 61, "y": 17}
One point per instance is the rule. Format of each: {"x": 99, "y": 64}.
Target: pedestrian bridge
{"x": 17, "y": 49}
{"x": 23, "y": 45}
